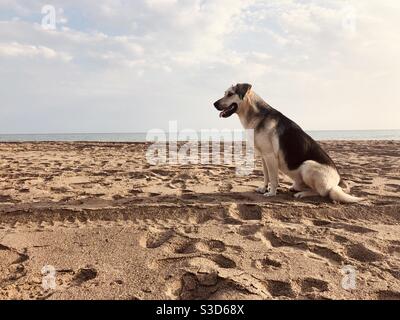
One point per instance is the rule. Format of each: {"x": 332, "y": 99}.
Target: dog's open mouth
{"x": 229, "y": 111}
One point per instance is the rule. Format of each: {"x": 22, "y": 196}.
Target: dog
{"x": 284, "y": 147}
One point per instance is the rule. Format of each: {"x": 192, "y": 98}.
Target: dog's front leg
{"x": 264, "y": 188}
{"x": 273, "y": 174}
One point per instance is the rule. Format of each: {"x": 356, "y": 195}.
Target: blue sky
{"x": 132, "y": 66}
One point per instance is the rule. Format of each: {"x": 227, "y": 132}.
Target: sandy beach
{"x": 114, "y": 227}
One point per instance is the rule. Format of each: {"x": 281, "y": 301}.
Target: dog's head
{"x": 232, "y": 100}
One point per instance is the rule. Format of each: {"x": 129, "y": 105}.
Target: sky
{"x": 132, "y": 66}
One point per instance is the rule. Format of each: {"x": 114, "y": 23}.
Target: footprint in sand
{"x": 249, "y": 212}
{"x": 312, "y": 285}
{"x": 207, "y": 252}
{"x": 393, "y": 187}
{"x": 195, "y": 287}
{"x": 250, "y": 230}
{"x": 225, "y": 187}
{"x": 326, "y": 253}
{"x": 388, "y": 295}
{"x": 237, "y": 213}
{"x": 161, "y": 173}
{"x": 215, "y": 245}
{"x": 285, "y": 239}
{"x": 156, "y": 239}
{"x": 7, "y": 198}
{"x": 279, "y": 289}
{"x": 84, "y": 275}
{"x": 363, "y": 254}
{"x": 223, "y": 261}
{"x": 343, "y": 226}
{"x": 12, "y": 267}
{"x": 213, "y": 262}
{"x": 280, "y": 239}
{"x": 184, "y": 245}
{"x": 267, "y": 263}
{"x": 210, "y": 286}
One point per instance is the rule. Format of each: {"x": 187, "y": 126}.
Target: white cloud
{"x": 16, "y": 49}
{"x": 160, "y": 4}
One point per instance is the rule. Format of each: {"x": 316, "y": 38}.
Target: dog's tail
{"x": 337, "y": 194}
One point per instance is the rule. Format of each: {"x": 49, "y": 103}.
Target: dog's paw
{"x": 262, "y": 190}
{"x": 270, "y": 194}
{"x": 305, "y": 194}
{"x": 299, "y": 195}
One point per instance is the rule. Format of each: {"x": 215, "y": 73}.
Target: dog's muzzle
{"x": 218, "y": 106}
{"x": 227, "y": 112}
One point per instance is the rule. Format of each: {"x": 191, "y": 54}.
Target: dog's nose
{"x": 216, "y": 104}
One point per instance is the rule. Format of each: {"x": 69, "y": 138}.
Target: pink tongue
{"x": 221, "y": 115}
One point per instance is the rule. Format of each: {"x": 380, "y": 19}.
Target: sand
{"x": 114, "y": 227}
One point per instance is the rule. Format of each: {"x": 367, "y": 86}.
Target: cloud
{"x": 16, "y": 49}
{"x": 132, "y": 66}
{"x": 160, "y": 4}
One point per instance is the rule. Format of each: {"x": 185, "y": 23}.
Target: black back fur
{"x": 296, "y": 145}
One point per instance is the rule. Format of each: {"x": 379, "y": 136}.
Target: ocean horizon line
{"x": 211, "y": 133}
{"x": 195, "y": 130}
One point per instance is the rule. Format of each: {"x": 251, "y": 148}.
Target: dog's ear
{"x": 242, "y": 89}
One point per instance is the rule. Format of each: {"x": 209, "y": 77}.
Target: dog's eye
{"x": 230, "y": 94}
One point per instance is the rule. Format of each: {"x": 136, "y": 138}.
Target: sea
{"x": 143, "y": 137}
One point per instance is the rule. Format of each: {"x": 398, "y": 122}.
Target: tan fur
{"x": 247, "y": 111}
